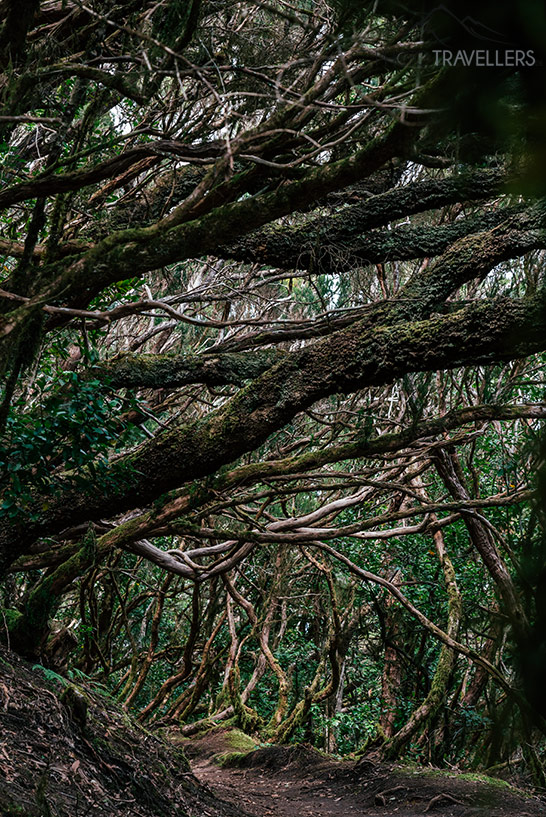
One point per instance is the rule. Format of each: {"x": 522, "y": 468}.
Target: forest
{"x": 272, "y": 349}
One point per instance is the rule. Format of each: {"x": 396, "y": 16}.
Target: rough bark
{"x": 392, "y": 667}
{"x": 321, "y": 243}
{"x": 131, "y": 252}
{"x": 169, "y": 371}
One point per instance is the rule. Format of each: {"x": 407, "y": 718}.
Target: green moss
{"x": 246, "y": 717}
{"x": 180, "y": 756}
{"x": 470, "y": 777}
{"x": 476, "y": 777}
{"x": 203, "y": 728}
{"x": 76, "y": 703}
{"x": 239, "y": 746}
{"x": 10, "y": 617}
{"x": 230, "y": 759}
{"x": 239, "y": 742}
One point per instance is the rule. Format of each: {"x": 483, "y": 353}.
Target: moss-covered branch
{"x": 481, "y": 333}
{"x": 348, "y": 232}
{"x": 168, "y": 371}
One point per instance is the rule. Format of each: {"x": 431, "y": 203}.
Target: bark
{"x": 29, "y": 629}
{"x": 169, "y": 371}
{"x": 338, "y": 643}
{"x": 186, "y": 500}
{"x": 52, "y": 184}
{"x": 262, "y": 633}
{"x": 369, "y": 353}
{"x": 391, "y": 678}
{"x": 131, "y": 252}
{"x": 355, "y": 221}
{"x": 152, "y": 643}
{"x": 290, "y": 248}
{"x": 475, "y": 688}
{"x": 185, "y": 704}
{"x": 186, "y": 664}
{"x": 247, "y": 718}
{"x": 334, "y": 246}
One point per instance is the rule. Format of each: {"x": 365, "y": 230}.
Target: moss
{"x": 28, "y": 629}
{"x": 222, "y": 700}
{"x": 237, "y": 746}
{"x": 245, "y": 717}
{"x": 178, "y": 753}
{"x": 470, "y": 777}
{"x": 76, "y": 703}
{"x": 10, "y": 617}
{"x": 230, "y": 759}
{"x": 476, "y": 777}
{"x": 202, "y": 728}
{"x": 160, "y": 371}
{"x": 286, "y": 729}
{"x": 239, "y": 742}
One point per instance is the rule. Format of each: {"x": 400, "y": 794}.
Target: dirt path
{"x": 299, "y": 782}
{"x": 280, "y": 795}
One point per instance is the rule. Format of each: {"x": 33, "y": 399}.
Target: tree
{"x": 265, "y": 305}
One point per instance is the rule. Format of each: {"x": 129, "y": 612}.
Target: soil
{"x": 67, "y": 750}
{"x": 298, "y": 781}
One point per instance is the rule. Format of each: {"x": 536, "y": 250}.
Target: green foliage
{"x": 352, "y": 727}
{"x": 74, "y": 428}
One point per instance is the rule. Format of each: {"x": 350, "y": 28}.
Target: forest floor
{"x": 69, "y": 750}
{"x": 298, "y": 781}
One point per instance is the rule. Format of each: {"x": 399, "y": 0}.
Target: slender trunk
{"x": 185, "y": 671}
{"x": 391, "y": 678}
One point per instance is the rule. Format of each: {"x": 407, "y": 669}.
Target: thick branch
{"x": 320, "y": 238}
{"x": 49, "y": 184}
{"x": 168, "y": 371}
{"x": 19, "y": 19}
{"x": 133, "y": 252}
{"x": 483, "y": 333}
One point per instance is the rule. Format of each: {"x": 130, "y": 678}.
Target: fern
{"x": 52, "y": 676}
